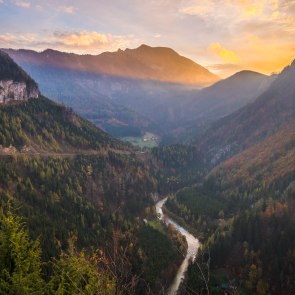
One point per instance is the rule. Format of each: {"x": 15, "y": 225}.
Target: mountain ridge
{"x": 145, "y": 63}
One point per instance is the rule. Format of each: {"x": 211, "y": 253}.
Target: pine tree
{"x": 20, "y": 258}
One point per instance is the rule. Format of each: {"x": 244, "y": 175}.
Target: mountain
{"x": 199, "y": 108}
{"x": 143, "y": 63}
{"x": 228, "y": 95}
{"x": 251, "y": 124}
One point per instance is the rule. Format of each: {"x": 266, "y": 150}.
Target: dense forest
{"x": 243, "y": 212}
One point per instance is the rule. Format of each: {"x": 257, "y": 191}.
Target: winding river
{"x": 192, "y": 242}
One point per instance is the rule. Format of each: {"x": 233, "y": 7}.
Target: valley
{"x": 83, "y": 190}
{"x": 148, "y": 140}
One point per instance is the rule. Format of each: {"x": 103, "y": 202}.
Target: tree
{"x": 20, "y": 258}
{"x": 76, "y": 273}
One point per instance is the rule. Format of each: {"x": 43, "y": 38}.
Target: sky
{"x": 225, "y": 36}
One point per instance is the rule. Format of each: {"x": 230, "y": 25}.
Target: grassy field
{"x": 149, "y": 140}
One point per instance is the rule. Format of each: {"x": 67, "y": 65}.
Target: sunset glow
{"x": 225, "y": 36}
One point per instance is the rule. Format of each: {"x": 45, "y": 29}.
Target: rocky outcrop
{"x": 13, "y": 91}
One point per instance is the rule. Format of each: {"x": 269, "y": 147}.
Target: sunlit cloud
{"x": 83, "y": 39}
{"x": 77, "y": 42}
{"x": 223, "y": 53}
{"x": 23, "y": 4}
{"x": 251, "y": 8}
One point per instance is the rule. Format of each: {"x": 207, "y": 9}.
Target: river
{"x": 192, "y": 242}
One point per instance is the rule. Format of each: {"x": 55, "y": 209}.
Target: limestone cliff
{"x": 15, "y": 83}
{"x": 10, "y": 90}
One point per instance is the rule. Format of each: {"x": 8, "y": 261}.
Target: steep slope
{"x": 257, "y": 120}
{"x": 15, "y": 84}
{"x": 266, "y": 163}
{"x": 40, "y": 125}
{"x": 145, "y": 62}
{"x": 11, "y": 71}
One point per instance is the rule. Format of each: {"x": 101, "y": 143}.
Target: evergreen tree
{"x": 20, "y": 258}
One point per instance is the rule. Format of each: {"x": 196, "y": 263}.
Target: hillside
{"x": 257, "y": 120}
{"x": 255, "y": 235}
{"x": 228, "y": 95}
{"x": 261, "y": 165}
{"x": 42, "y": 126}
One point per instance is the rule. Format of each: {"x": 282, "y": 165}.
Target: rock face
{"x": 14, "y": 91}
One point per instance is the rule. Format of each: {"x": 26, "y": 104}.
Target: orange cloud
{"x": 83, "y": 39}
{"x": 223, "y": 53}
{"x": 250, "y": 8}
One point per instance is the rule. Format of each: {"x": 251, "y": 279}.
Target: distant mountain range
{"x": 144, "y": 63}
{"x": 130, "y": 102}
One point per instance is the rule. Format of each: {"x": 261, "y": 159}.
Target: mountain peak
{"x": 143, "y": 46}
{"x": 244, "y": 73}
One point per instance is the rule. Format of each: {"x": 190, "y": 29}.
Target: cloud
{"x": 223, "y": 53}
{"x": 78, "y": 42}
{"x": 23, "y": 4}
{"x": 200, "y": 10}
{"x": 67, "y": 9}
{"x": 83, "y": 39}
{"x": 250, "y": 7}
{"x": 11, "y": 40}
